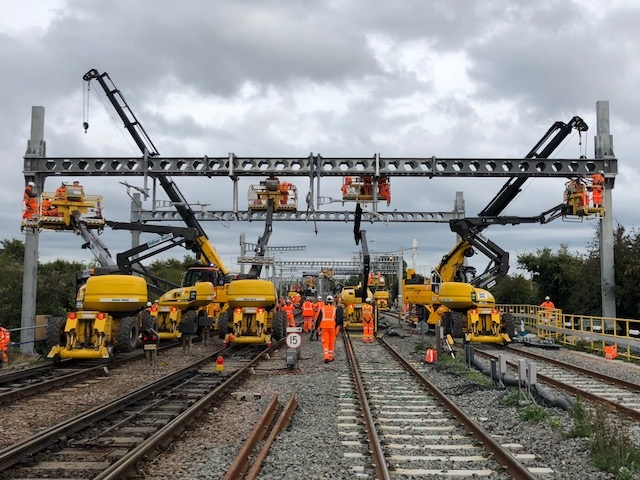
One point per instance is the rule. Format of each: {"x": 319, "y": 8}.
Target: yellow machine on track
{"x": 106, "y": 320}
{"x": 252, "y": 315}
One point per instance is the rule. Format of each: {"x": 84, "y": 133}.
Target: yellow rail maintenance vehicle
{"x": 106, "y": 320}
{"x": 178, "y": 310}
{"x": 351, "y": 299}
{"x": 463, "y": 310}
{"x": 252, "y": 316}
{"x": 377, "y": 283}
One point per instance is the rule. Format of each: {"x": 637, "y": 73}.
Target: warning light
{"x": 72, "y": 315}
{"x": 220, "y": 363}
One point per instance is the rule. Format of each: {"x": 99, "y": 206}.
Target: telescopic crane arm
{"x": 469, "y": 229}
{"x": 205, "y": 250}
{"x": 361, "y": 239}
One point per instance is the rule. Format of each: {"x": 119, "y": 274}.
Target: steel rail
{"x": 379, "y": 461}
{"x": 502, "y": 456}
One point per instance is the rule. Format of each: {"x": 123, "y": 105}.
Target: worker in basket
{"x": 30, "y": 201}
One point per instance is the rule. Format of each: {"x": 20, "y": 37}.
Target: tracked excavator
{"x": 454, "y": 296}
{"x": 192, "y": 302}
{"x": 252, "y": 316}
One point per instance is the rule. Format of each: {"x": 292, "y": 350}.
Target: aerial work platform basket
{"x": 283, "y": 194}
{"x": 56, "y": 210}
{"x": 361, "y": 189}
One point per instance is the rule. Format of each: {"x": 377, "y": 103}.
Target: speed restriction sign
{"x": 294, "y": 340}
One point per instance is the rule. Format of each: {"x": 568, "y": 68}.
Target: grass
{"x": 611, "y": 447}
{"x": 534, "y": 413}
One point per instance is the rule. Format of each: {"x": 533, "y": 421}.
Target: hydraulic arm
{"x": 452, "y": 267}
{"x": 205, "y": 249}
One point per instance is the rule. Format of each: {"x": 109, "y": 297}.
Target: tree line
{"x": 571, "y": 279}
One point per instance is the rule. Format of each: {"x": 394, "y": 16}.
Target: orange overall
{"x": 329, "y": 331}
{"x": 30, "y": 203}
{"x": 288, "y": 309}
{"x": 307, "y": 315}
{"x": 597, "y": 182}
{"x": 4, "y": 343}
{"x": 367, "y": 323}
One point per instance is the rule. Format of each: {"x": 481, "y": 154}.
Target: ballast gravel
{"x": 310, "y": 447}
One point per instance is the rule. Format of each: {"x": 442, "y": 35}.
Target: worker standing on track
{"x": 329, "y": 321}
{"x": 288, "y": 309}
{"x": 4, "y": 344}
{"x": 30, "y": 201}
{"x": 367, "y": 321}
{"x": 307, "y": 315}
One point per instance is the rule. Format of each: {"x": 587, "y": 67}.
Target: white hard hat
{"x": 149, "y": 304}
{"x": 319, "y": 297}
{"x": 31, "y": 184}
{"x": 329, "y": 298}
{"x": 601, "y": 172}
{"x": 369, "y": 300}
{"x": 75, "y": 180}
{"x": 547, "y": 298}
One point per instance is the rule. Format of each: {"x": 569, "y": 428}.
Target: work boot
{"x": 326, "y": 360}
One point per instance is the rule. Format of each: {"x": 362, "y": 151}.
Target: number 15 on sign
{"x": 294, "y": 340}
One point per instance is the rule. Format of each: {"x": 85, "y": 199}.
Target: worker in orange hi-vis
{"x": 597, "y": 185}
{"x": 317, "y": 306}
{"x": 288, "y": 309}
{"x": 367, "y": 321}
{"x": 4, "y": 344}
{"x": 30, "y": 201}
{"x": 547, "y": 305}
{"x": 307, "y": 315}
{"x": 329, "y": 322}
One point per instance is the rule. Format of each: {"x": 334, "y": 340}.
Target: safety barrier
{"x": 594, "y": 333}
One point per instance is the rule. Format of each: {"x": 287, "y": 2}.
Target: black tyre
{"x": 149, "y": 322}
{"x": 223, "y": 325}
{"x": 457, "y": 325}
{"x": 509, "y": 324}
{"x": 189, "y": 323}
{"x": 55, "y": 332}
{"x": 447, "y": 323}
{"x": 127, "y": 339}
{"x": 279, "y": 322}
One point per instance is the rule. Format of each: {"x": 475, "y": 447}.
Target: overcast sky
{"x": 448, "y": 78}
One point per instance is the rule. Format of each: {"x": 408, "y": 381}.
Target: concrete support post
{"x": 136, "y": 209}
{"x": 400, "y": 273}
{"x": 604, "y": 150}
{"x": 36, "y": 148}
{"x": 243, "y": 251}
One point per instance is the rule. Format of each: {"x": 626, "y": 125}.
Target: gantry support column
{"x": 35, "y": 149}
{"x": 604, "y": 150}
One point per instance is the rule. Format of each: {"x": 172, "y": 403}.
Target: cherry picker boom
{"x": 208, "y": 256}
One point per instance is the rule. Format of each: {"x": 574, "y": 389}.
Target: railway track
{"x": 26, "y": 382}
{"x": 621, "y": 395}
{"x": 410, "y": 427}
{"x": 108, "y": 441}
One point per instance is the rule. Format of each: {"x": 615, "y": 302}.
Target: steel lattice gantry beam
{"x": 315, "y": 166}
{"x": 318, "y": 216}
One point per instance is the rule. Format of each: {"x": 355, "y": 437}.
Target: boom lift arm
{"x": 205, "y": 249}
{"x": 261, "y": 246}
{"x": 452, "y": 267}
{"x": 361, "y": 239}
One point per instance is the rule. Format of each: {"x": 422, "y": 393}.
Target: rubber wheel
{"x": 149, "y": 322}
{"x": 223, "y": 325}
{"x": 127, "y": 339}
{"x": 55, "y": 332}
{"x": 509, "y": 324}
{"x": 447, "y": 323}
{"x": 457, "y": 326}
{"x": 279, "y": 321}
